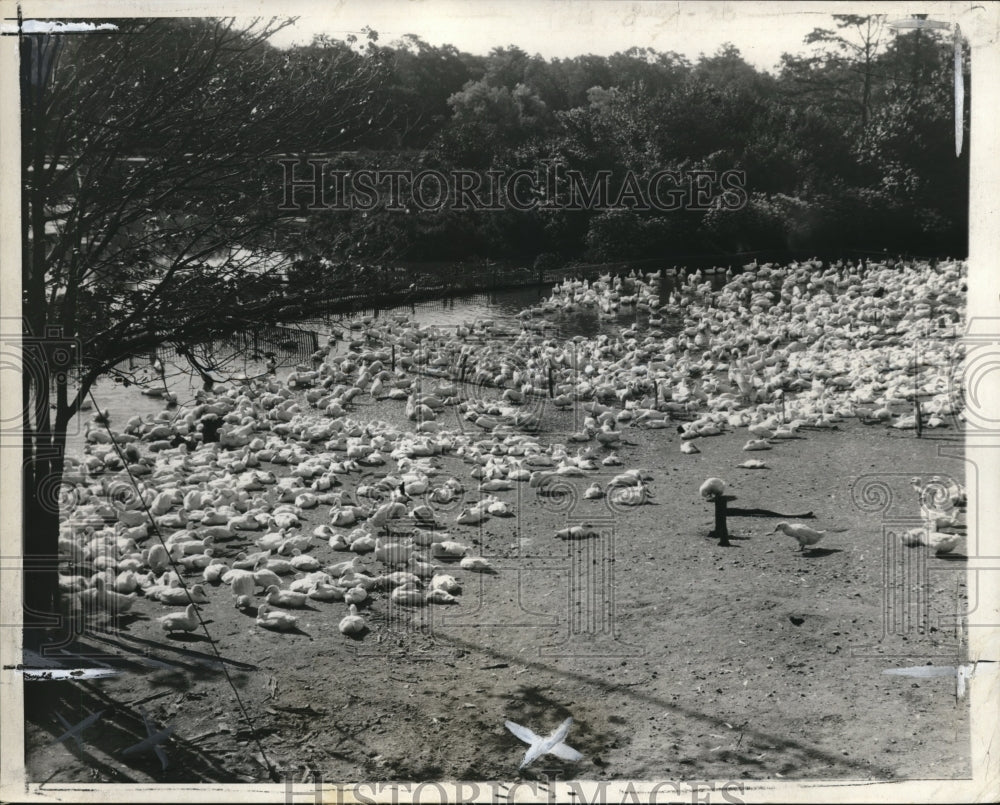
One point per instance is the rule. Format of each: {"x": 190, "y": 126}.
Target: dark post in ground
{"x": 722, "y": 511}
{"x": 720, "y": 531}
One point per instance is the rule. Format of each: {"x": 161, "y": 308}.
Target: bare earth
{"x": 677, "y": 658}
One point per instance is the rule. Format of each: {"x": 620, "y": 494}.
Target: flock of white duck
{"x": 777, "y": 349}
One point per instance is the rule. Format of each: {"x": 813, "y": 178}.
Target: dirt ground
{"x": 676, "y": 658}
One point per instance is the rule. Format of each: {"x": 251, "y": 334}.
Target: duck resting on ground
{"x": 186, "y": 621}
{"x": 352, "y": 623}
{"x": 274, "y": 620}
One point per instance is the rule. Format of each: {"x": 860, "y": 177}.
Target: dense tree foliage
{"x": 848, "y": 147}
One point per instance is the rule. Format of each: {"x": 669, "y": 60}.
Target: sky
{"x": 762, "y": 29}
{"x": 565, "y": 28}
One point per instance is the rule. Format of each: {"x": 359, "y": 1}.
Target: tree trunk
{"x": 867, "y": 92}
{"x": 40, "y": 532}
{"x": 44, "y": 460}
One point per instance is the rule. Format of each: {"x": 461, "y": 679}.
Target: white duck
{"x": 285, "y": 598}
{"x": 439, "y": 596}
{"x": 942, "y": 543}
{"x": 282, "y": 567}
{"x": 421, "y": 568}
{"x": 355, "y": 595}
{"x": 340, "y": 568}
{"x": 585, "y": 531}
{"x": 408, "y": 594}
{"x": 186, "y": 621}
{"x": 352, "y": 623}
{"x": 802, "y": 533}
{"x": 471, "y": 516}
{"x": 393, "y": 553}
{"x": 712, "y": 488}
{"x": 396, "y": 579}
{"x": 179, "y": 596}
{"x": 321, "y": 591}
{"x": 274, "y": 620}
{"x": 266, "y": 578}
{"x": 243, "y": 587}
{"x": 304, "y": 563}
{"x": 447, "y": 583}
{"x": 449, "y": 549}
{"x": 355, "y": 579}
{"x": 913, "y": 537}
{"x": 477, "y": 564}
{"x": 214, "y": 571}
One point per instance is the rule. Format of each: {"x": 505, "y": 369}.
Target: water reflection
{"x": 502, "y": 307}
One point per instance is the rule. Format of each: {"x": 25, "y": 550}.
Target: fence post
{"x": 721, "y": 531}
{"x": 721, "y": 511}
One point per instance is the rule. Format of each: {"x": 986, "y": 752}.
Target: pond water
{"x": 123, "y": 397}
{"x": 502, "y": 306}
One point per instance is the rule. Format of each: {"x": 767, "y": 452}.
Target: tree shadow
{"x": 187, "y": 637}
{"x": 120, "y": 727}
{"x": 143, "y": 650}
{"x": 296, "y": 631}
{"x": 534, "y": 698}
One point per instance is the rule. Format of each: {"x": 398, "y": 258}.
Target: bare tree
{"x": 151, "y": 192}
{"x": 847, "y": 68}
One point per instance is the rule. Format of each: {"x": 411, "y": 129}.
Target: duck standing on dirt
{"x": 803, "y": 533}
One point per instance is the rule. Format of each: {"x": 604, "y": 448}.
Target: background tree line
{"x": 850, "y": 147}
